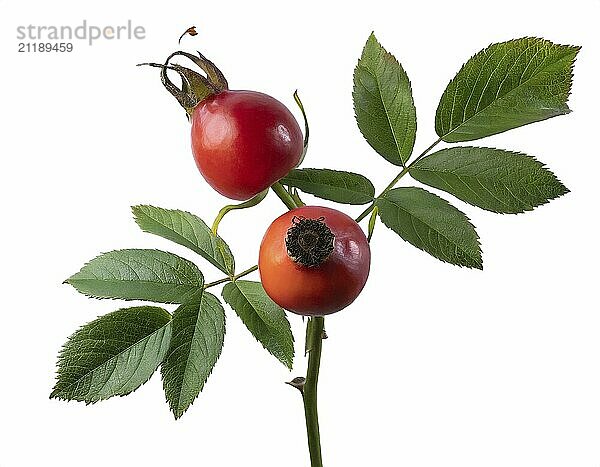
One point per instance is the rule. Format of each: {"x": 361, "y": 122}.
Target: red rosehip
{"x": 244, "y": 141}
{"x": 314, "y": 260}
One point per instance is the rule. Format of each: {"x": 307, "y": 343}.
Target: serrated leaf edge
{"x": 478, "y": 262}
{"x": 138, "y": 208}
{"x": 68, "y": 281}
{"x": 179, "y": 413}
{"x": 392, "y": 57}
{"x": 58, "y": 396}
{"x": 517, "y": 153}
{"x": 575, "y": 48}
{"x": 287, "y": 364}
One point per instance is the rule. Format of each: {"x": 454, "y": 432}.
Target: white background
{"x": 432, "y": 366}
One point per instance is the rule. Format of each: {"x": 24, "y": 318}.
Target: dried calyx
{"x": 309, "y": 242}
{"x": 195, "y": 87}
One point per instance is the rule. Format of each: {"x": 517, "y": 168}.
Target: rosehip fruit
{"x": 314, "y": 260}
{"x": 244, "y": 141}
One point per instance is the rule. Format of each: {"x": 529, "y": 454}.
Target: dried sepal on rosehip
{"x": 242, "y": 141}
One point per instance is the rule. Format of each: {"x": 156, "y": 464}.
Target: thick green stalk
{"x": 314, "y": 341}
{"x": 309, "y": 394}
{"x": 284, "y": 195}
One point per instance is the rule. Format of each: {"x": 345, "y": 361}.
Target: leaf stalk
{"x": 284, "y": 195}
{"x": 392, "y": 184}
{"x": 234, "y": 278}
{"x": 231, "y": 207}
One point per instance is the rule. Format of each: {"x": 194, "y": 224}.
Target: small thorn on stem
{"x": 324, "y": 335}
{"x": 298, "y": 383}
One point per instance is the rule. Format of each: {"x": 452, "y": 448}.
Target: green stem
{"x": 306, "y": 127}
{"x": 372, "y": 222}
{"x": 231, "y": 207}
{"x": 296, "y": 197}
{"x": 236, "y": 277}
{"x": 424, "y": 153}
{"x": 309, "y": 394}
{"x": 391, "y": 185}
{"x": 284, "y": 195}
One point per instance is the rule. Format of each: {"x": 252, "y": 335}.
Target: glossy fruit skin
{"x": 323, "y": 289}
{"x": 244, "y": 141}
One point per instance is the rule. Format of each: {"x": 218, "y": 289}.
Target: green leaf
{"x": 263, "y": 317}
{"x": 431, "y": 224}
{"x": 505, "y": 86}
{"x": 493, "y": 179}
{"x": 151, "y": 275}
{"x": 198, "y": 333}
{"x": 334, "y": 185}
{"x": 188, "y": 230}
{"x": 113, "y": 355}
{"x": 383, "y": 103}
